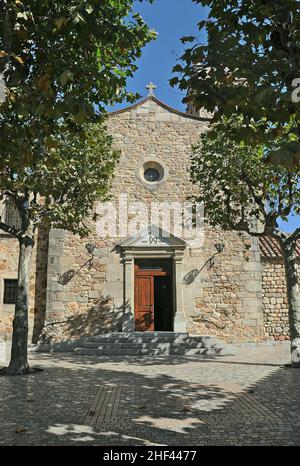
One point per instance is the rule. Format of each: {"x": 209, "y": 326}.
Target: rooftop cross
{"x": 151, "y": 88}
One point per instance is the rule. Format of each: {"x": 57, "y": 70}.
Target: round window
{"x": 151, "y": 175}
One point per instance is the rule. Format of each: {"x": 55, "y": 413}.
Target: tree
{"x": 62, "y": 62}
{"x": 242, "y": 192}
{"x": 250, "y": 65}
{"x": 60, "y": 189}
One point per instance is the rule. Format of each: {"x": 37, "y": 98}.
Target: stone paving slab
{"x": 246, "y": 399}
{"x": 129, "y": 402}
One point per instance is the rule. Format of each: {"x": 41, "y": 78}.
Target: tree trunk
{"x": 18, "y": 362}
{"x": 289, "y": 254}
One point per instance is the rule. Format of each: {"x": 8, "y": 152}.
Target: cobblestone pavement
{"x": 246, "y": 399}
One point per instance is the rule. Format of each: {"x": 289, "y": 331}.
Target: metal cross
{"x": 151, "y": 87}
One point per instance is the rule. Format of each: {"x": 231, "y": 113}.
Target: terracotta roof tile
{"x": 270, "y": 248}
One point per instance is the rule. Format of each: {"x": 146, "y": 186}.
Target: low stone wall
{"x": 275, "y": 301}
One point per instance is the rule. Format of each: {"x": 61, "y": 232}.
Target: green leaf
{"x": 293, "y": 147}
{"x": 60, "y": 22}
{"x": 89, "y": 8}
{"x": 65, "y": 77}
{"x": 187, "y": 39}
{"x": 264, "y": 95}
{"x": 284, "y": 158}
{"x": 177, "y": 69}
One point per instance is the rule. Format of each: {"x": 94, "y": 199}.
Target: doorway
{"x": 153, "y": 295}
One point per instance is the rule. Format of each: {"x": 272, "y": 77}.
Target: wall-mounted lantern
{"x": 90, "y": 249}
{"x": 66, "y": 277}
{"x": 219, "y": 247}
{"x": 190, "y": 276}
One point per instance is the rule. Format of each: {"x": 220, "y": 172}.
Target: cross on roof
{"x": 151, "y": 88}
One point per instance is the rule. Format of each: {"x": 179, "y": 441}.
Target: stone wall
{"x": 92, "y": 299}
{"x": 9, "y": 256}
{"x": 223, "y": 299}
{"x": 228, "y": 298}
{"x": 39, "y": 283}
{"x": 275, "y": 302}
{"x": 83, "y": 297}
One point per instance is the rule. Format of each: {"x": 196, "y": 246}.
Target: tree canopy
{"x": 64, "y": 59}
{"x": 62, "y": 185}
{"x": 250, "y": 65}
{"x": 239, "y": 189}
{"x": 61, "y": 63}
{"x": 242, "y": 192}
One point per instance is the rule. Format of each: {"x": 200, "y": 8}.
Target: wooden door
{"x": 146, "y": 272}
{"x": 144, "y": 303}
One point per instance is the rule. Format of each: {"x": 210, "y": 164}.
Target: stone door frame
{"x": 130, "y": 254}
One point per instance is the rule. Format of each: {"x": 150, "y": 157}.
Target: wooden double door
{"x": 153, "y": 295}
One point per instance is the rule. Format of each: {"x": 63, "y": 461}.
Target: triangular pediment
{"x": 152, "y": 236}
{"x": 146, "y": 102}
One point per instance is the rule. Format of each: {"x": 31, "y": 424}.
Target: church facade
{"x": 142, "y": 268}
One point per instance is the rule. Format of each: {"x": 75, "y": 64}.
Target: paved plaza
{"x": 245, "y": 399}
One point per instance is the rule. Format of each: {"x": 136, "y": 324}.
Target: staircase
{"x": 149, "y": 343}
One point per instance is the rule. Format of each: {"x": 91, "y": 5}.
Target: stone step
{"x": 137, "y": 342}
{"x": 149, "y": 343}
{"x": 129, "y": 345}
{"x": 139, "y": 334}
{"x": 107, "y": 352}
{"x": 140, "y": 352}
{"x": 140, "y": 341}
{"x": 191, "y": 351}
{"x": 138, "y": 337}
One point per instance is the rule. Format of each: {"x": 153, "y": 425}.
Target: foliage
{"x": 67, "y": 58}
{"x": 62, "y": 62}
{"x": 239, "y": 189}
{"x": 68, "y": 176}
{"x": 250, "y": 65}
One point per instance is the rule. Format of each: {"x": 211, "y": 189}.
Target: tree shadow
{"x": 42, "y": 245}
{"x": 78, "y": 403}
{"x": 102, "y": 315}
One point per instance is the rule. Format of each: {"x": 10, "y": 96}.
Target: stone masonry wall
{"x": 223, "y": 297}
{"x": 86, "y": 298}
{"x": 228, "y": 297}
{"x": 92, "y": 299}
{"x": 9, "y": 256}
{"x": 275, "y": 299}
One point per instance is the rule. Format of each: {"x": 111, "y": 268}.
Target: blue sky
{"x": 171, "y": 19}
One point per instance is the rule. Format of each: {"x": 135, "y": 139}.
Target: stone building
{"x": 135, "y": 273}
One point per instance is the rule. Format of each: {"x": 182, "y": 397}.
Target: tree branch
{"x": 8, "y": 229}
{"x": 287, "y": 209}
{"x": 294, "y": 236}
{"x": 256, "y": 197}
